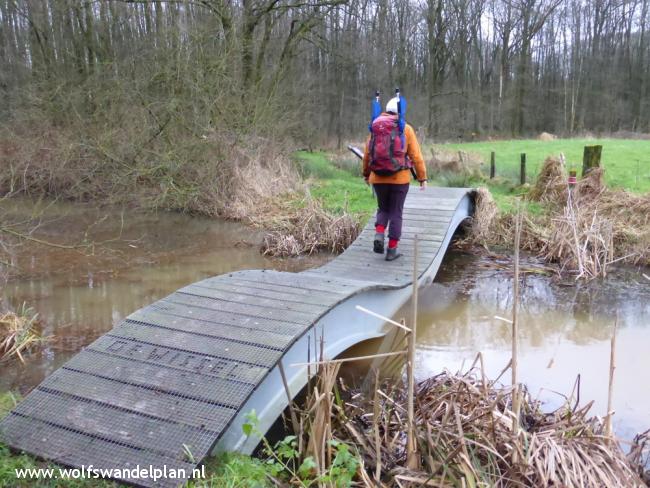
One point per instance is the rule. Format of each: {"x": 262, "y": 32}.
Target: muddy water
{"x": 138, "y": 258}
{"x": 564, "y": 332}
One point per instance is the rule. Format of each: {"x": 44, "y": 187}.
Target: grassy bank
{"x": 335, "y": 180}
{"x": 608, "y": 224}
{"x": 339, "y": 186}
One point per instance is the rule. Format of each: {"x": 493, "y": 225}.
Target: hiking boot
{"x": 392, "y": 254}
{"x": 378, "y": 243}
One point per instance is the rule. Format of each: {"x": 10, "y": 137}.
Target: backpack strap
{"x": 391, "y": 150}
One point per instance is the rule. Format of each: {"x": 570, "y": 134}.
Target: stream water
{"x": 564, "y": 331}
{"x": 138, "y": 258}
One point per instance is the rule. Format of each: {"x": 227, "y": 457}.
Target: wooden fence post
{"x": 591, "y": 158}
{"x": 492, "y": 165}
{"x": 522, "y": 175}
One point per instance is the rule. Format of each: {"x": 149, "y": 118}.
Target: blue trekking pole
{"x": 375, "y": 110}
{"x": 401, "y": 113}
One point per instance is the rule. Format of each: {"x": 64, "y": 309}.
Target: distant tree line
{"x": 509, "y": 67}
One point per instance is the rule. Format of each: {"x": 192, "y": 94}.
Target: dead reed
{"x": 580, "y": 241}
{"x": 464, "y": 428}
{"x": 247, "y": 175}
{"x": 583, "y": 230}
{"x": 639, "y": 455}
{"x": 465, "y": 435}
{"x": 317, "y": 419}
{"x": 485, "y": 213}
{"x": 18, "y": 334}
{"x": 550, "y": 182}
{"x": 593, "y": 227}
{"x": 304, "y": 228}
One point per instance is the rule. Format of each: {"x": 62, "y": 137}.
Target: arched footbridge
{"x": 172, "y": 383}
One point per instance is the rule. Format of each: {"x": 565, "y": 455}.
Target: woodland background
{"x": 510, "y": 67}
{"x": 197, "y": 105}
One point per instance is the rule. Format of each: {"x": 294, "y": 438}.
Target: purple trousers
{"x": 390, "y": 203}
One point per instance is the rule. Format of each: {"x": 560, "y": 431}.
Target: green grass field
{"x": 338, "y": 185}
{"x": 336, "y": 188}
{"x": 626, "y": 162}
{"x": 344, "y": 190}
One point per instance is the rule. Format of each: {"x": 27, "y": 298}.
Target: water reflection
{"x": 564, "y": 332}
{"x": 144, "y": 257}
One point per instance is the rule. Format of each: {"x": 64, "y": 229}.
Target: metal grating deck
{"x": 161, "y": 387}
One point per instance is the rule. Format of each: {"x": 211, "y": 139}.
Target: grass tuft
{"x": 233, "y": 470}
{"x": 18, "y": 333}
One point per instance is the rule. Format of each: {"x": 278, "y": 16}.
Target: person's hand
{"x": 365, "y": 178}
{"x": 423, "y": 185}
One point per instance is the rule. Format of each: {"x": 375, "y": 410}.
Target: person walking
{"x": 388, "y": 161}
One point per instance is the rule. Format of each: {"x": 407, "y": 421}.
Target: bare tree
{"x": 465, "y": 65}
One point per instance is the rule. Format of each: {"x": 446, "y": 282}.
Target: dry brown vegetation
{"x": 465, "y": 432}
{"x": 303, "y": 227}
{"x": 584, "y": 229}
{"x": 250, "y": 179}
{"x": 545, "y": 136}
{"x": 210, "y": 172}
{"x": 485, "y": 211}
{"x": 215, "y": 174}
{"x": 465, "y": 436}
{"x": 453, "y": 161}
{"x": 19, "y": 334}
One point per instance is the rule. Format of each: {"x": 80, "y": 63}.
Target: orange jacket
{"x": 403, "y": 176}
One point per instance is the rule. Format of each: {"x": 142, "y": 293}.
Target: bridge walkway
{"x": 172, "y": 382}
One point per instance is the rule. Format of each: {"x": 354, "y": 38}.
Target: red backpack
{"x": 387, "y": 153}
